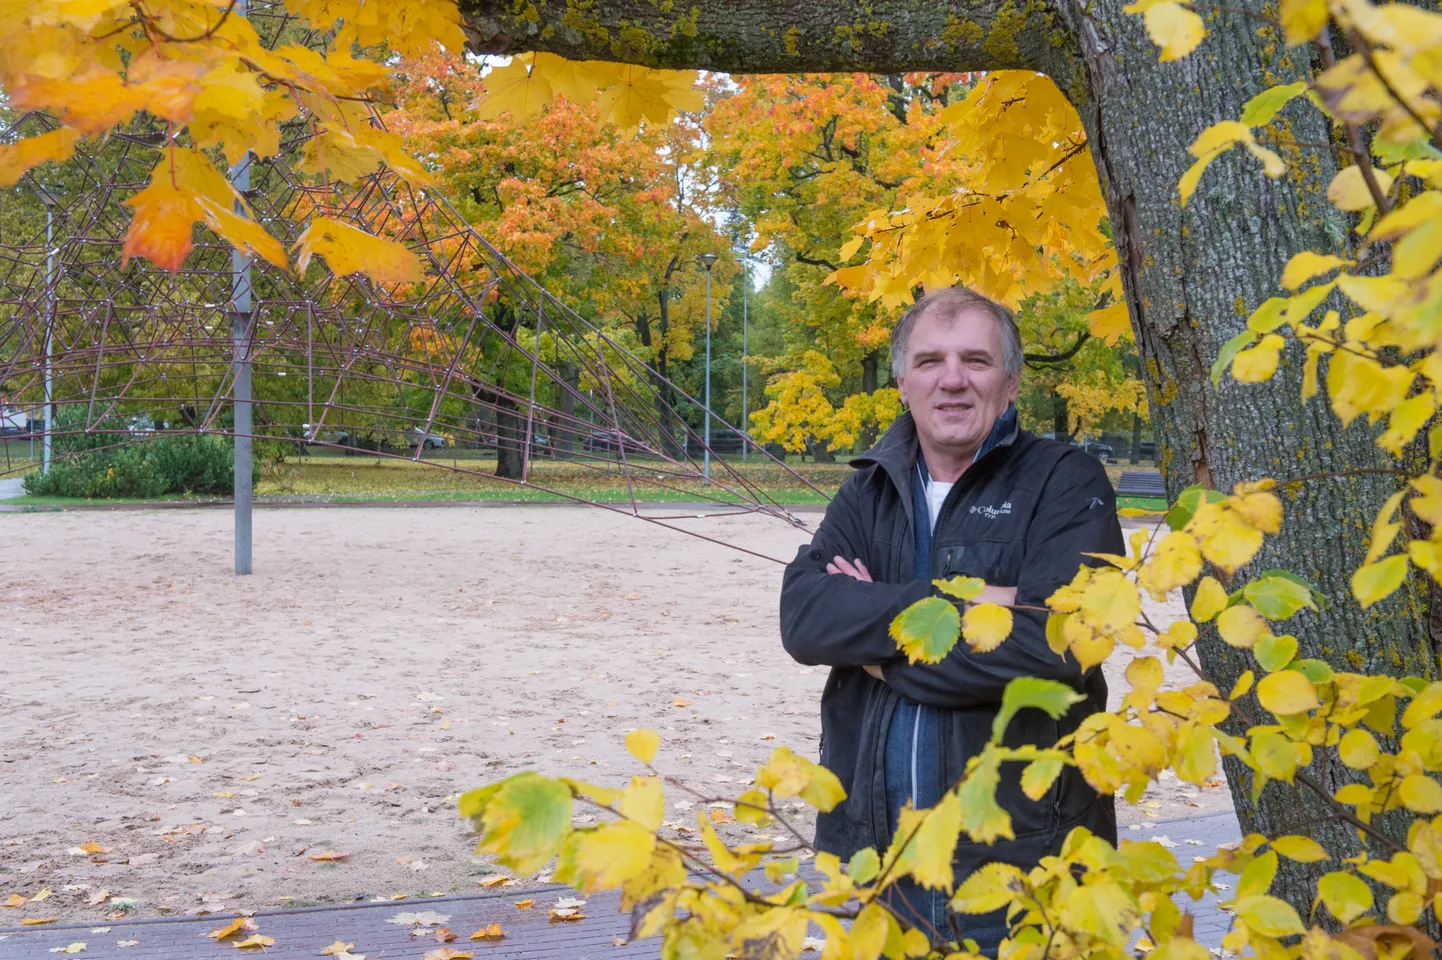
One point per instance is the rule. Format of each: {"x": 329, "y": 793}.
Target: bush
{"x": 89, "y": 465}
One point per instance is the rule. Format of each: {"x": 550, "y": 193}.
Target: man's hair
{"x": 948, "y": 302}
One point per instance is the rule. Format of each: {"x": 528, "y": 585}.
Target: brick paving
{"x": 530, "y": 935}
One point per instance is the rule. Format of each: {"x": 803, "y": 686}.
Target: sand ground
{"x": 175, "y": 739}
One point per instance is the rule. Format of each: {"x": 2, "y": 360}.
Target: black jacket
{"x": 1022, "y": 515}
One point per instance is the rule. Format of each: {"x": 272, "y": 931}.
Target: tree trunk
{"x": 563, "y": 435}
{"x": 1191, "y": 275}
{"x": 870, "y": 362}
{"x": 1134, "y": 453}
{"x": 1060, "y": 418}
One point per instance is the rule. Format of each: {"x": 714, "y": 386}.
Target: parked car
{"x": 428, "y": 441}
{"x": 605, "y": 442}
{"x": 1146, "y": 450}
{"x": 1102, "y": 451}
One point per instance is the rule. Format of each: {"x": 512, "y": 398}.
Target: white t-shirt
{"x": 935, "y": 496}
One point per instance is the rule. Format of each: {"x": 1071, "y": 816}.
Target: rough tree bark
{"x": 1191, "y": 276}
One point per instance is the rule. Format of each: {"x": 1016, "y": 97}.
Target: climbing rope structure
{"x": 477, "y": 355}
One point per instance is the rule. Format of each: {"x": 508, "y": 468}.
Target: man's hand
{"x": 875, "y": 671}
{"x": 854, "y": 569}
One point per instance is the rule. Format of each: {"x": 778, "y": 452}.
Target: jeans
{"x": 913, "y": 773}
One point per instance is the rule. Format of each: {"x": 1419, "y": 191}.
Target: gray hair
{"x": 949, "y": 302}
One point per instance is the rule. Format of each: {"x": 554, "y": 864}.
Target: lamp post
{"x": 51, "y": 201}
{"x": 707, "y": 261}
{"x": 745, "y": 425}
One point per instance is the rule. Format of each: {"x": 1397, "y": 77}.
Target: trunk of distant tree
{"x": 1191, "y": 275}
{"x": 510, "y": 434}
{"x": 1136, "y": 439}
{"x": 563, "y": 431}
{"x": 870, "y": 363}
{"x": 1060, "y": 421}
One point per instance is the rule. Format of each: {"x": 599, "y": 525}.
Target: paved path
{"x": 11, "y": 488}
{"x": 529, "y": 933}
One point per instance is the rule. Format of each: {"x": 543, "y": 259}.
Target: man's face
{"x": 955, "y": 380}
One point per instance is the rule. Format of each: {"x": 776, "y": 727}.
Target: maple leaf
{"x": 161, "y": 229}
{"x": 514, "y": 89}
{"x": 337, "y": 948}
{"x": 424, "y": 919}
{"x": 238, "y": 925}
{"x": 71, "y": 948}
{"x": 37, "y": 921}
{"x": 16, "y": 158}
{"x": 348, "y": 250}
{"x": 489, "y": 932}
{"x": 328, "y": 855}
{"x": 447, "y": 953}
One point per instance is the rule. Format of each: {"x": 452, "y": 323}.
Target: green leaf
{"x": 1264, "y": 106}
{"x": 981, "y": 816}
{"x": 863, "y": 865}
{"x": 927, "y": 630}
{"x": 526, "y": 821}
{"x": 1229, "y": 350}
{"x": 1314, "y": 670}
{"x": 1274, "y": 653}
{"x": 1187, "y": 502}
{"x": 471, "y": 804}
{"x": 1277, "y": 598}
{"x": 1318, "y": 597}
{"x": 1052, "y": 696}
{"x": 1345, "y": 895}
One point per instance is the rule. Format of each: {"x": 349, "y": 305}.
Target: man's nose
{"x": 954, "y": 376}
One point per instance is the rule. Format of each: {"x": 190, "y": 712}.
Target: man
{"x": 953, "y": 488}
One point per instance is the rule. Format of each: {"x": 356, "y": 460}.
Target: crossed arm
{"x": 856, "y": 570}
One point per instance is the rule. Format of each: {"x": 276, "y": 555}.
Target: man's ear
{"x": 901, "y": 389}
{"x": 1015, "y": 389}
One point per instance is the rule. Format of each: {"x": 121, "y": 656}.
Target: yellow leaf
{"x": 491, "y": 931}
{"x": 1242, "y": 626}
{"x": 1195, "y": 759}
{"x": 1257, "y": 364}
{"x": 514, "y": 89}
{"x": 16, "y": 158}
{"x": 1038, "y": 776}
{"x": 1269, "y": 916}
{"x": 1287, "y": 692}
{"x": 963, "y": 588}
{"x": 1300, "y": 849}
{"x": 1420, "y": 794}
{"x": 612, "y": 854}
{"x": 1110, "y": 323}
{"x": 1358, "y": 749}
{"x": 643, "y": 801}
{"x": 985, "y": 626}
{"x": 1303, "y": 19}
{"x": 1406, "y": 419}
{"x": 1174, "y": 28}
{"x": 348, "y": 250}
{"x": 643, "y": 744}
{"x": 1384, "y": 531}
{"x": 1175, "y": 562}
{"x": 641, "y": 94}
{"x": 1374, "y": 581}
{"x": 238, "y": 925}
{"x": 337, "y": 947}
{"x": 990, "y": 888}
{"x": 1345, "y": 895}
{"x": 1103, "y": 909}
{"x": 1209, "y": 601}
{"x": 71, "y": 948}
{"x": 1110, "y": 601}
{"x": 1226, "y": 537}
{"x": 161, "y": 229}
{"x": 1348, "y": 189}
{"x": 849, "y": 248}
{"x": 1243, "y": 685}
{"x": 256, "y": 941}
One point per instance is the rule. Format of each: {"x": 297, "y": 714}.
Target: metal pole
{"x": 49, "y": 334}
{"x": 706, "y": 469}
{"x": 745, "y": 425}
{"x": 240, "y": 304}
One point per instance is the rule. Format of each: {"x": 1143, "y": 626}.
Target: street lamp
{"x": 51, "y": 201}
{"x": 745, "y": 425}
{"x": 707, "y": 260}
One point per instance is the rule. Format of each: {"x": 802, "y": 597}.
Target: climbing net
{"x": 475, "y": 355}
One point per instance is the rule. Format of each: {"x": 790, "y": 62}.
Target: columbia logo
{"x": 991, "y": 513}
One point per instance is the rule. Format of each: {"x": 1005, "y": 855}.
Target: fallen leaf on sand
{"x": 337, "y": 947}
{"x": 251, "y": 776}
{"x": 681, "y": 703}
{"x": 41, "y": 895}
{"x": 252, "y": 849}
{"x": 15, "y": 900}
{"x": 566, "y": 914}
{"x": 98, "y": 897}
{"x": 768, "y": 736}
{"x": 238, "y": 925}
{"x": 92, "y": 847}
{"x": 76, "y": 947}
{"x": 631, "y": 596}
{"x": 425, "y": 919}
{"x": 619, "y": 941}
{"x": 489, "y": 932}
{"x": 494, "y": 881}
{"x": 329, "y": 855}
{"x": 447, "y": 953}
{"x": 37, "y": 921}
{"x": 525, "y": 904}
{"x": 255, "y": 941}
{"x": 445, "y": 935}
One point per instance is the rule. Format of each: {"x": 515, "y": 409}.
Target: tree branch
{"x": 815, "y": 261}
{"x": 1062, "y": 357}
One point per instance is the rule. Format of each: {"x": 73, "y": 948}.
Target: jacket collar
{"x": 897, "y": 450}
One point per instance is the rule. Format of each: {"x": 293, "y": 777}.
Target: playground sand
{"x": 179, "y": 739}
